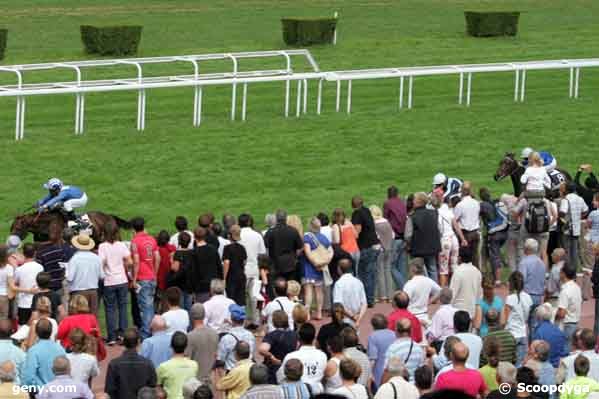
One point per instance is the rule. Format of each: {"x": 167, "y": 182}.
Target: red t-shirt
{"x": 144, "y": 245}
{"x": 399, "y": 314}
{"x": 85, "y": 321}
{"x": 471, "y": 382}
{"x": 165, "y": 264}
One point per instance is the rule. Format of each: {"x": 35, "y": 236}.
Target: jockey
{"x": 449, "y": 187}
{"x": 63, "y": 198}
{"x": 549, "y": 161}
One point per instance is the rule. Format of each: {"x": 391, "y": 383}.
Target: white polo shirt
{"x": 314, "y": 361}
{"x": 467, "y": 213}
{"x": 279, "y": 303}
{"x": 420, "y": 289}
{"x": 570, "y": 299}
{"x": 253, "y": 243}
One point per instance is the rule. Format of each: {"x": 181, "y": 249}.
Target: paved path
{"x": 365, "y": 329}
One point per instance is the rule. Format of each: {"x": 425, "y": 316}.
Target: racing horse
{"x": 46, "y": 226}
{"x": 509, "y": 166}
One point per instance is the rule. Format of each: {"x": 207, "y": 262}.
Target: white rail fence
{"x": 235, "y": 77}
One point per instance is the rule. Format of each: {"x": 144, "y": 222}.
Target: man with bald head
{"x": 8, "y": 387}
{"x": 406, "y": 348}
{"x": 9, "y": 351}
{"x": 157, "y": 348}
{"x": 401, "y": 300}
{"x": 63, "y": 386}
{"x": 461, "y": 378}
{"x": 369, "y": 245}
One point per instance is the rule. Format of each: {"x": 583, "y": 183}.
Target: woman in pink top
{"x": 344, "y": 234}
{"x": 116, "y": 258}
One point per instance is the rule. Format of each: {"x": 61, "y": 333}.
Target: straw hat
{"x": 83, "y": 242}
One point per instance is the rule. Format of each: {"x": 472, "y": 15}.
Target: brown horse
{"x": 46, "y": 226}
{"x": 509, "y": 166}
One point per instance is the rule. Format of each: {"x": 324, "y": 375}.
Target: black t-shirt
{"x": 282, "y": 242}
{"x": 182, "y": 279}
{"x": 367, "y": 237}
{"x": 236, "y": 255}
{"x": 54, "y": 298}
{"x": 282, "y": 342}
{"x": 206, "y": 266}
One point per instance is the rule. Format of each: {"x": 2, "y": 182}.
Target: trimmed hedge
{"x": 480, "y": 24}
{"x": 3, "y": 34}
{"x": 304, "y": 32}
{"x": 111, "y": 40}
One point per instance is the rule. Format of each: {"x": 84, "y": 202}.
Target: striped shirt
{"x": 507, "y": 347}
{"x": 409, "y": 351}
{"x": 296, "y": 390}
{"x": 263, "y": 391}
{"x": 362, "y": 359}
{"x": 49, "y": 257}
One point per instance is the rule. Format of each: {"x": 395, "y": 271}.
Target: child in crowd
{"x": 535, "y": 178}
{"x": 293, "y": 291}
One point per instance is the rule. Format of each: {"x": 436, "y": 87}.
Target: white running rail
{"x": 235, "y": 77}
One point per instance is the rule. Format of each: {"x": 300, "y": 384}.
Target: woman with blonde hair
{"x": 84, "y": 365}
{"x": 311, "y": 267}
{"x": 79, "y": 317}
{"x": 300, "y": 316}
{"x": 535, "y": 177}
{"x": 296, "y": 222}
{"x": 344, "y": 234}
{"x": 385, "y": 287}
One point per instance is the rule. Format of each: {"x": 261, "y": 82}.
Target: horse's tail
{"x": 122, "y": 223}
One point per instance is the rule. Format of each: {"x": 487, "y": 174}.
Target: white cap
{"x": 439, "y": 178}
{"x": 526, "y": 153}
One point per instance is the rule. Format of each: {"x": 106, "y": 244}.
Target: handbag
{"x": 319, "y": 256}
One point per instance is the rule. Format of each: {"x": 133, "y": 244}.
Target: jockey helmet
{"x": 439, "y": 178}
{"x": 53, "y": 184}
{"x": 526, "y": 153}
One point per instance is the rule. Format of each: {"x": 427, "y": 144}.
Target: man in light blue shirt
{"x": 157, "y": 348}
{"x": 84, "y": 271}
{"x": 63, "y": 386}
{"x": 226, "y": 346}
{"x": 533, "y": 270}
{"x": 9, "y": 351}
{"x": 37, "y": 370}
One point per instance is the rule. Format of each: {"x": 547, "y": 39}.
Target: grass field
{"x": 305, "y": 165}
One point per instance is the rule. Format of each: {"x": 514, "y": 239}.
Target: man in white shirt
{"x": 217, "y": 308}
{"x": 349, "y": 291}
{"x": 397, "y": 386}
{"x": 421, "y": 290}
{"x": 281, "y": 302}
{"x": 569, "y": 303}
{"x": 25, "y": 283}
{"x": 467, "y": 214}
{"x": 586, "y": 342}
{"x": 466, "y": 283}
{"x": 181, "y": 226}
{"x": 253, "y": 243}
{"x": 313, "y": 360}
{"x": 176, "y": 318}
{"x": 442, "y": 321}
{"x": 462, "y": 323}
{"x": 573, "y": 209}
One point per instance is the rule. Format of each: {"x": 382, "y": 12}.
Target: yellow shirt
{"x": 490, "y": 376}
{"x": 8, "y": 389}
{"x": 237, "y": 381}
{"x": 173, "y": 373}
{"x": 579, "y": 388}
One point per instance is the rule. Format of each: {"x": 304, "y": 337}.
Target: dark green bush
{"x": 3, "y": 34}
{"x": 491, "y": 23}
{"x": 111, "y": 40}
{"x": 304, "y": 32}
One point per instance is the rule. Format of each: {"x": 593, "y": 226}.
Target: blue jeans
{"x": 532, "y": 319}
{"x": 145, "y": 299}
{"x": 431, "y": 267}
{"x": 367, "y": 271}
{"x": 115, "y": 301}
{"x": 521, "y": 350}
{"x": 399, "y": 265}
{"x": 569, "y": 330}
{"x": 186, "y": 301}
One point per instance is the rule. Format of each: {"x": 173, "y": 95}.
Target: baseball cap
{"x": 237, "y": 312}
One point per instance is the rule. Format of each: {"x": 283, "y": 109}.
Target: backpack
{"x": 500, "y": 222}
{"x": 537, "y": 218}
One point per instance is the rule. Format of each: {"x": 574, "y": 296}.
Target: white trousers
{"x": 75, "y": 203}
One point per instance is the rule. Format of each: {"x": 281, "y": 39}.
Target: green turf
{"x": 305, "y": 165}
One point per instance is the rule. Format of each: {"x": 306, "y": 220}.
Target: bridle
{"x": 514, "y": 168}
